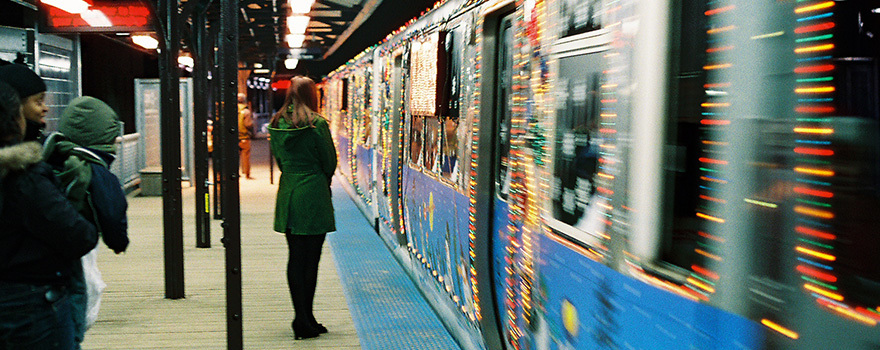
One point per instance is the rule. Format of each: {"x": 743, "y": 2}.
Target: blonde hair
{"x": 300, "y": 105}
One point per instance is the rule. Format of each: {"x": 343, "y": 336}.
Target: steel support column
{"x": 172, "y": 209}
{"x": 228, "y": 62}
{"x": 203, "y": 51}
{"x": 217, "y": 110}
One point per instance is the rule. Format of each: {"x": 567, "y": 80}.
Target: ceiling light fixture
{"x": 297, "y": 24}
{"x": 291, "y": 63}
{"x": 295, "y": 40}
{"x": 186, "y": 61}
{"x": 145, "y": 41}
{"x": 300, "y": 6}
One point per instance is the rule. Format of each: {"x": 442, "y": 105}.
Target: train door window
{"x": 432, "y": 145}
{"x": 682, "y": 188}
{"x": 577, "y": 141}
{"x": 366, "y": 122}
{"x": 855, "y": 202}
{"x": 449, "y": 160}
{"x": 450, "y": 98}
{"x": 467, "y": 77}
{"x": 344, "y": 93}
{"x": 503, "y": 112}
{"x": 416, "y": 140}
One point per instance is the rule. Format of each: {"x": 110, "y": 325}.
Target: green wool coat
{"x": 307, "y": 159}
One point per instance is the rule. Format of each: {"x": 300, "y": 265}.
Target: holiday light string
{"x": 474, "y": 110}
{"x": 818, "y": 235}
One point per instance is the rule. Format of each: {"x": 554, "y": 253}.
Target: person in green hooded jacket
{"x": 303, "y": 148}
{"x": 81, "y": 153}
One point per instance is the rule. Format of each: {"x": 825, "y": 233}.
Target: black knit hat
{"x": 22, "y": 79}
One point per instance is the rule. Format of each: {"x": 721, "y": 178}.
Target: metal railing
{"x": 126, "y": 165}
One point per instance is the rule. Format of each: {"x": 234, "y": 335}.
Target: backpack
{"x": 71, "y": 164}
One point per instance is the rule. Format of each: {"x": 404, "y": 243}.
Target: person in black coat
{"x": 42, "y": 239}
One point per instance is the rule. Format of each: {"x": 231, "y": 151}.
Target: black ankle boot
{"x": 320, "y": 328}
{"x": 303, "y": 330}
{"x": 317, "y": 326}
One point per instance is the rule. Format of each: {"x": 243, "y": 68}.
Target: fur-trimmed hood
{"x": 19, "y": 157}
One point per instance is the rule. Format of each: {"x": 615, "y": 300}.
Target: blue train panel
{"x": 583, "y": 304}
{"x": 363, "y": 178}
{"x": 343, "y": 146}
{"x": 383, "y": 204}
{"x": 436, "y": 227}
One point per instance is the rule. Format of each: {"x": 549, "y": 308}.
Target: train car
{"x": 347, "y": 102}
{"x": 626, "y": 174}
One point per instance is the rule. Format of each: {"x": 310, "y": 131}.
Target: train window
{"x": 449, "y": 160}
{"x": 580, "y": 16}
{"x": 503, "y": 112}
{"x": 416, "y": 140}
{"x": 450, "y": 60}
{"x": 432, "y": 145}
{"x": 577, "y": 142}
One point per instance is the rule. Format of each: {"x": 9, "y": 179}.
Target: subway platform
{"x": 363, "y": 297}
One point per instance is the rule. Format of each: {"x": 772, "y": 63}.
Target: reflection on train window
{"x": 432, "y": 144}
{"x": 449, "y": 161}
{"x": 503, "y": 112}
{"x": 580, "y": 16}
{"x": 577, "y": 143}
{"x": 416, "y": 140}
{"x": 856, "y": 205}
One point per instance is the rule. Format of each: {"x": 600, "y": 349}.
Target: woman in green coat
{"x": 302, "y": 146}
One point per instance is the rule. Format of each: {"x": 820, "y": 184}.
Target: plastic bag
{"x": 94, "y": 286}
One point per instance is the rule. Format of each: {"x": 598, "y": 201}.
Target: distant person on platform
{"x": 245, "y": 133}
{"x": 32, "y": 92}
{"x": 301, "y": 143}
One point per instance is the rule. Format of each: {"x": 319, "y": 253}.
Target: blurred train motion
{"x": 627, "y": 174}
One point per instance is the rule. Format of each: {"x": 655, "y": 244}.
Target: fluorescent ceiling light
{"x": 291, "y": 63}
{"x": 96, "y": 18}
{"x": 71, "y": 6}
{"x": 295, "y": 40}
{"x": 300, "y": 6}
{"x": 145, "y": 41}
{"x": 297, "y": 24}
{"x": 262, "y": 71}
{"x": 258, "y": 65}
{"x": 186, "y": 61}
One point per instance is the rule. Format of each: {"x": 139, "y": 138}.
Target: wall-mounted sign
{"x": 101, "y": 16}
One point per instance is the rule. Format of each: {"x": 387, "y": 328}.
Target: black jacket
{"x": 42, "y": 235}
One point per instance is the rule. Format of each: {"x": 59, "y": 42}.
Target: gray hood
{"x": 19, "y": 157}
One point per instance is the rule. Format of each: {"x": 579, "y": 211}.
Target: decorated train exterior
{"x": 626, "y": 174}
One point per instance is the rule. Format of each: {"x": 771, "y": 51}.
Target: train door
{"x": 390, "y": 192}
{"x": 502, "y": 177}
{"x": 493, "y": 172}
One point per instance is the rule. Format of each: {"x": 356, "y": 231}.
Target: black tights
{"x": 302, "y": 273}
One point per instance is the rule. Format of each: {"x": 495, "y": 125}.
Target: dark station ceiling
{"x": 338, "y": 30}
